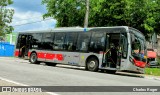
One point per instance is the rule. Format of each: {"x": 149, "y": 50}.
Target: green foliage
{"x": 66, "y": 12}
{"x": 152, "y": 71}
{"x": 107, "y": 13}
{"x": 5, "y": 17}
{"x": 141, "y": 14}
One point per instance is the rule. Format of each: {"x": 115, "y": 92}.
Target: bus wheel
{"x": 33, "y": 59}
{"x": 92, "y": 64}
{"x": 50, "y": 64}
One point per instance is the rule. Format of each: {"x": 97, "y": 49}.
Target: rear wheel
{"x": 33, "y": 59}
{"x": 92, "y": 64}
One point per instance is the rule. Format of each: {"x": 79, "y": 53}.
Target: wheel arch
{"x": 33, "y": 52}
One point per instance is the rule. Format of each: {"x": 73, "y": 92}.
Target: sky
{"x": 28, "y": 11}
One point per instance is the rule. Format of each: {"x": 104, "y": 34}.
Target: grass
{"x": 152, "y": 71}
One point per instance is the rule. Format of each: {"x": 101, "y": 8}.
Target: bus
{"x": 119, "y": 48}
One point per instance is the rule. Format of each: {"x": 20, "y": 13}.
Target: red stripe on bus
{"x": 50, "y": 56}
{"x": 41, "y": 55}
{"x": 60, "y": 57}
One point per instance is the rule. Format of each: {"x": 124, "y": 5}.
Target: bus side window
{"x": 83, "y": 41}
{"x": 70, "y": 42}
{"x": 36, "y": 41}
{"x": 47, "y": 41}
{"x": 97, "y": 42}
{"x": 59, "y": 41}
{"x": 84, "y": 45}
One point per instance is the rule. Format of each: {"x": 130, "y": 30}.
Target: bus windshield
{"x": 138, "y": 48}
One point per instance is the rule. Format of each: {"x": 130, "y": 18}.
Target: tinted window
{"x": 59, "y": 41}
{"x": 97, "y": 42}
{"x": 47, "y": 41}
{"x": 36, "y": 41}
{"x": 21, "y": 40}
{"x": 70, "y": 42}
{"x": 29, "y": 40}
{"x": 83, "y": 41}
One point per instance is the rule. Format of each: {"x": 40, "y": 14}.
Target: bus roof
{"x": 72, "y": 29}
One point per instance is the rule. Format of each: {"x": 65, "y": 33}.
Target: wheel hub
{"x": 33, "y": 58}
{"x": 92, "y": 64}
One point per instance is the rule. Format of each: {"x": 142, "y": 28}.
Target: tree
{"x": 5, "y": 17}
{"x": 143, "y": 15}
{"x": 153, "y": 20}
{"x": 66, "y": 12}
{"x": 107, "y": 13}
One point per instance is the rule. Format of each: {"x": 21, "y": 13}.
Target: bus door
{"x": 122, "y": 50}
{"x": 28, "y": 44}
{"x": 112, "y": 56}
{"x": 119, "y": 51}
{"x": 114, "y": 49}
{"x": 106, "y": 52}
{"x": 22, "y": 45}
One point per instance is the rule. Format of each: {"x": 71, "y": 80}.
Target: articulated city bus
{"x": 119, "y": 48}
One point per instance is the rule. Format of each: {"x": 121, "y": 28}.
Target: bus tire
{"x": 50, "y": 64}
{"x": 92, "y": 64}
{"x": 33, "y": 58}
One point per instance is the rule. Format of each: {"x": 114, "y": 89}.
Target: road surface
{"x": 22, "y": 71}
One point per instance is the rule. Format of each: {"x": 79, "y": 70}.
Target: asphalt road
{"x": 41, "y": 75}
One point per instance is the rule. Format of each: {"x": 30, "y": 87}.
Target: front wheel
{"x": 92, "y": 64}
{"x": 33, "y": 59}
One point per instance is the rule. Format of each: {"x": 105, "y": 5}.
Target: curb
{"x": 152, "y": 77}
{"x": 139, "y": 75}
